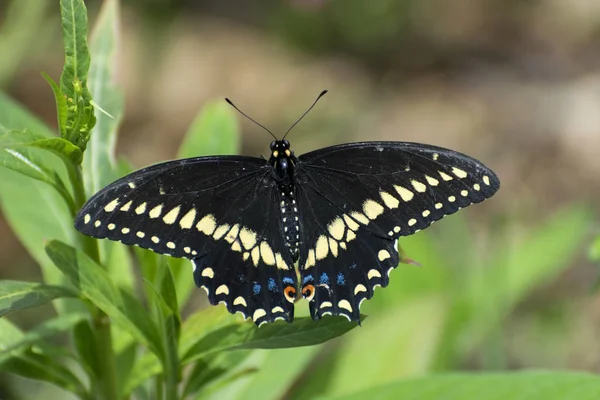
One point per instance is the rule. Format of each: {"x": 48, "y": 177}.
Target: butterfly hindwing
{"x": 357, "y": 199}
{"x": 219, "y": 212}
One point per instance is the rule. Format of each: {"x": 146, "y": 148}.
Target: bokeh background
{"x": 507, "y": 284}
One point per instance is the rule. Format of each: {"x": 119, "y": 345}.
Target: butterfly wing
{"x": 220, "y": 212}
{"x": 357, "y": 199}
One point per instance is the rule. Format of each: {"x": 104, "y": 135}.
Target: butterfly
{"x": 262, "y": 233}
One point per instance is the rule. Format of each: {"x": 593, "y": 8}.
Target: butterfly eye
{"x": 286, "y": 144}
{"x": 308, "y": 292}
{"x": 290, "y": 294}
{"x": 273, "y": 144}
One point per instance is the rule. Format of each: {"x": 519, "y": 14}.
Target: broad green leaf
{"x": 533, "y": 385}
{"x": 73, "y": 80}
{"x": 215, "y": 131}
{"x": 303, "y": 332}
{"x": 61, "y": 105}
{"x": 45, "y": 330}
{"x": 33, "y": 209}
{"x": 125, "y": 361}
{"x": 16, "y": 156}
{"x": 94, "y": 284}
{"x": 18, "y": 295}
{"x": 61, "y": 147}
{"x": 594, "y": 252}
{"x": 99, "y": 166}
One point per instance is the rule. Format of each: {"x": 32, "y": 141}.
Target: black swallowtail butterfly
{"x": 245, "y": 221}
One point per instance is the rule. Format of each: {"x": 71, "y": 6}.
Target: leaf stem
{"x": 107, "y": 378}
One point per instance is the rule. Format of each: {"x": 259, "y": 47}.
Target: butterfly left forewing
{"x": 221, "y": 213}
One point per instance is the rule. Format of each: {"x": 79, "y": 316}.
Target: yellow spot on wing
{"x": 220, "y": 231}
{"x": 486, "y": 180}
{"x": 255, "y": 256}
{"x": 87, "y": 219}
{"x": 125, "y": 231}
{"x": 404, "y": 193}
{"x": 321, "y": 249}
{"x": 372, "y": 209}
{"x": 477, "y": 187}
{"x": 208, "y": 272}
{"x": 188, "y": 219}
{"x": 131, "y": 185}
{"x": 259, "y": 313}
{"x": 279, "y": 262}
{"x": 431, "y": 181}
{"x": 126, "y": 206}
{"x": 171, "y": 245}
{"x": 373, "y": 273}
{"x": 240, "y": 301}
{"x": 389, "y": 200}
{"x": 383, "y": 255}
{"x": 360, "y": 217}
{"x": 412, "y": 222}
{"x": 350, "y": 236}
{"x": 112, "y": 205}
{"x": 438, "y": 206}
{"x": 419, "y": 187}
{"x": 464, "y": 193}
{"x": 359, "y": 288}
{"x": 207, "y": 224}
{"x": 155, "y": 212}
{"x": 233, "y": 233}
{"x": 311, "y": 259}
{"x": 111, "y": 226}
{"x": 97, "y": 224}
{"x": 350, "y": 223}
{"x": 223, "y": 289}
{"x": 337, "y": 228}
{"x": 426, "y": 213}
{"x": 445, "y": 176}
{"x": 333, "y": 247}
{"x": 266, "y": 253}
{"x": 345, "y": 305}
{"x": 155, "y": 239}
{"x": 326, "y": 304}
{"x": 248, "y": 238}
{"x": 140, "y": 234}
{"x": 171, "y": 216}
{"x": 277, "y": 309}
{"x": 459, "y": 172}
{"x": 451, "y": 199}
{"x": 141, "y": 208}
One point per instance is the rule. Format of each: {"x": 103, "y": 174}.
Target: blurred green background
{"x": 508, "y": 284}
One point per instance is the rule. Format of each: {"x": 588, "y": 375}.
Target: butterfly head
{"x": 280, "y": 149}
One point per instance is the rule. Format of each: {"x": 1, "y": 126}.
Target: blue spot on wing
{"x": 272, "y": 285}
{"x": 288, "y": 280}
{"x": 340, "y": 279}
{"x": 307, "y": 278}
{"x": 324, "y": 280}
{"x": 256, "y": 288}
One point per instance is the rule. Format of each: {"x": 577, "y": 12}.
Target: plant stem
{"x": 107, "y": 378}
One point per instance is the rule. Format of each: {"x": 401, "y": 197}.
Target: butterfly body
{"x": 260, "y": 233}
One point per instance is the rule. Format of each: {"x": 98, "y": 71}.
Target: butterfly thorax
{"x": 283, "y": 162}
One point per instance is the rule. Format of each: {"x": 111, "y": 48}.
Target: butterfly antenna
{"x": 246, "y": 115}
{"x": 306, "y": 112}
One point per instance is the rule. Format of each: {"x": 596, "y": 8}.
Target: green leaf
{"x": 45, "y": 330}
{"x": 14, "y": 155}
{"x": 18, "y": 295}
{"x": 594, "y": 252}
{"x": 84, "y": 339}
{"x": 303, "y": 332}
{"x": 61, "y": 104}
{"x": 73, "y": 80}
{"x": 33, "y": 209}
{"x": 99, "y": 166}
{"x": 61, "y": 147}
{"x": 95, "y": 284}
{"x": 531, "y": 385}
{"x": 215, "y": 131}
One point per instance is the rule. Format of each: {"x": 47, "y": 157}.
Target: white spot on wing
{"x": 419, "y": 187}
{"x": 141, "y": 208}
{"x": 389, "y": 200}
{"x": 259, "y": 313}
{"x": 240, "y": 301}
{"x": 207, "y": 224}
{"x": 223, "y": 289}
{"x": 345, "y": 305}
{"x": 337, "y": 228}
{"x": 208, "y": 272}
{"x": 404, "y": 193}
{"x": 373, "y": 273}
{"x": 171, "y": 216}
{"x": 188, "y": 219}
{"x": 383, "y": 255}
{"x": 322, "y": 249}
{"x": 155, "y": 212}
{"x": 459, "y": 172}
{"x": 372, "y": 209}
